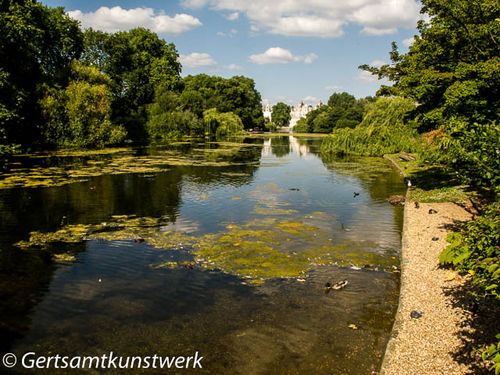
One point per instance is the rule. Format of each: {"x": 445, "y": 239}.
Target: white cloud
{"x": 229, "y": 34}
{"x": 233, "y": 16}
{"x": 120, "y": 19}
{"x": 278, "y": 55}
{"x": 334, "y": 88}
{"x": 320, "y": 18}
{"x": 194, "y": 4}
{"x": 311, "y": 99}
{"x": 232, "y": 67}
{"x": 408, "y": 41}
{"x": 197, "y": 60}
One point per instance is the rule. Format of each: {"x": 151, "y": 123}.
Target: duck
{"x": 336, "y": 286}
{"x": 355, "y": 194}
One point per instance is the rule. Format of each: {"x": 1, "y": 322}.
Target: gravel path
{"x": 425, "y": 345}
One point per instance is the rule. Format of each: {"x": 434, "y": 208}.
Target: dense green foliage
{"x": 168, "y": 121}
{"x": 236, "y": 94}
{"x": 473, "y": 151}
{"x": 137, "y": 61}
{"x": 342, "y": 111}
{"x": 79, "y": 114}
{"x": 476, "y": 250}
{"x": 37, "y": 45}
{"x": 61, "y": 87}
{"x": 451, "y": 69}
{"x": 281, "y": 114}
{"x": 382, "y": 131}
{"x": 223, "y": 125}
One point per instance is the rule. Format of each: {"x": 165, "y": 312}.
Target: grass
{"x": 431, "y": 183}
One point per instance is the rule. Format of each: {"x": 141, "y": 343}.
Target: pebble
{"x": 416, "y": 314}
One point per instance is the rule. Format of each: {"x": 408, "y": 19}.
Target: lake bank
{"x": 426, "y": 345}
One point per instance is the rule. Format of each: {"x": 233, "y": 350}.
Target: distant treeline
{"x": 64, "y": 87}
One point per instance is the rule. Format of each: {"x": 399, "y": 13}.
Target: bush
{"x": 270, "y": 126}
{"x": 473, "y": 150}
{"x": 476, "y": 251}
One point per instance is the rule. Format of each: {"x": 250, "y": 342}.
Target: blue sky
{"x": 294, "y": 50}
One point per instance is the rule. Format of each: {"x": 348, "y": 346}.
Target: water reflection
{"x": 282, "y": 326}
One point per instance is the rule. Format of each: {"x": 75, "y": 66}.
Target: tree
{"x": 451, "y": 69}
{"x": 167, "y": 120}
{"x": 79, "y": 115}
{"x": 222, "y": 125}
{"x": 37, "y": 45}
{"x": 137, "y": 61}
{"x": 236, "y": 94}
{"x": 281, "y": 114}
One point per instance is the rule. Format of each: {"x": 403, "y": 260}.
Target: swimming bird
{"x": 344, "y": 228}
{"x": 355, "y": 194}
{"x": 337, "y": 286}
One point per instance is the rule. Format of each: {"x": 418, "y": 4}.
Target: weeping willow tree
{"x": 223, "y": 125}
{"x": 382, "y": 131}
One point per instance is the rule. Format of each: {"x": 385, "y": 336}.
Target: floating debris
{"x": 353, "y": 326}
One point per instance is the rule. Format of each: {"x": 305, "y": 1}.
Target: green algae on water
{"x": 258, "y": 250}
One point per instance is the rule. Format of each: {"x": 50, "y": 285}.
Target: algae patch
{"x": 258, "y": 250}
{"x": 64, "y": 167}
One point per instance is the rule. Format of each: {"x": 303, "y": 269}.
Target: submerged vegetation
{"x": 258, "y": 250}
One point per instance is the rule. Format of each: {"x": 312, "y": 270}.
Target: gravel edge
{"x": 426, "y": 345}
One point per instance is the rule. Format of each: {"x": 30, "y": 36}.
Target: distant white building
{"x": 267, "y": 110}
{"x": 300, "y": 111}
{"x": 296, "y": 112}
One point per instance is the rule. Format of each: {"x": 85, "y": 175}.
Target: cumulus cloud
{"x": 229, "y": 34}
{"x": 232, "y": 67}
{"x": 197, "y": 60}
{"x": 278, "y": 55}
{"x": 233, "y": 16}
{"x": 120, "y": 19}
{"x": 320, "y": 18}
{"x": 311, "y": 99}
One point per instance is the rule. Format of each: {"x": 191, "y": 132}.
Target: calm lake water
{"x": 274, "y": 197}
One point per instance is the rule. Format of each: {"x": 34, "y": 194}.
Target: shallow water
{"x": 243, "y": 314}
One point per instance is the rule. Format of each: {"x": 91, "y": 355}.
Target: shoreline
{"x": 426, "y": 345}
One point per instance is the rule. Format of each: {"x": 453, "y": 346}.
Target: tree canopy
{"x": 37, "y": 45}
{"x": 452, "y": 67}
{"x": 280, "y": 114}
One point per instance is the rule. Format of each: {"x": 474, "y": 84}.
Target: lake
{"x": 222, "y": 248}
